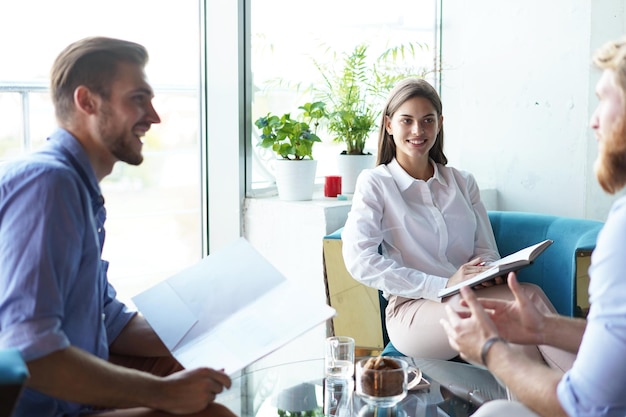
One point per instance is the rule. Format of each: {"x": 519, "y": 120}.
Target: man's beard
{"x": 116, "y": 141}
{"x": 610, "y": 165}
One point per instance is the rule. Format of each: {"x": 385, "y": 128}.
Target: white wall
{"x": 517, "y": 91}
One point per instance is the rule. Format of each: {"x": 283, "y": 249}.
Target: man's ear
{"x": 85, "y": 101}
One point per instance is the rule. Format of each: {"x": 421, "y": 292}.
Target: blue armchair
{"x": 554, "y": 271}
{"x": 13, "y": 374}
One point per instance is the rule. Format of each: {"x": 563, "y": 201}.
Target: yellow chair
{"x": 358, "y": 306}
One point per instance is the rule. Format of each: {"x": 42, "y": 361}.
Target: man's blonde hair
{"x": 91, "y": 62}
{"x": 610, "y": 165}
{"x": 612, "y": 55}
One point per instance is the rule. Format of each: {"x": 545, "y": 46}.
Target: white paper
{"x": 229, "y": 310}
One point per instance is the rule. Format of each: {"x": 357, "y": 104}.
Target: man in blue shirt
{"x": 596, "y": 383}
{"x": 56, "y": 305}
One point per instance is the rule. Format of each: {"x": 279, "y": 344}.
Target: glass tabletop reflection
{"x": 299, "y": 389}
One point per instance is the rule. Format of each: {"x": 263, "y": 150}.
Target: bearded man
{"x": 596, "y": 383}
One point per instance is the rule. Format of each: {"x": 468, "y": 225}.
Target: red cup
{"x": 332, "y": 186}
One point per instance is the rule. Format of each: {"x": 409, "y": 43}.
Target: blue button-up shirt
{"x": 54, "y": 290}
{"x": 596, "y": 384}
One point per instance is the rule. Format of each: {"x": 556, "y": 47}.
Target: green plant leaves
{"x": 356, "y": 91}
{"x": 288, "y": 137}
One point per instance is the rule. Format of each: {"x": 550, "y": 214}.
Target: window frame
{"x": 224, "y": 123}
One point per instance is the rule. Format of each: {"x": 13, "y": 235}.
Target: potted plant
{"x": 292, "y": 140}
{"x": 355, "y": 93}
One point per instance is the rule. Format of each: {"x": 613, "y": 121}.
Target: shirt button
{"x": 103, "y": 316}
{"x": 99, "y": 230}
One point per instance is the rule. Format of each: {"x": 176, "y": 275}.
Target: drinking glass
{"x": 332, "y": 185}
{"x": 338, "y": 397}
{"x": 339, "y": 357}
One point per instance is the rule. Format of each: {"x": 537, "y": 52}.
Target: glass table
{"x": 299, "y": 389}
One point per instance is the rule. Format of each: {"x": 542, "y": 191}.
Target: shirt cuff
{"x": 434, "y": 284}
{"x": 34, "y": 339}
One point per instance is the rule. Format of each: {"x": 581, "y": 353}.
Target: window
{"x": 154, "y": 225}
{"x": 285, "y": 40}
{"x": 157, "y": 213}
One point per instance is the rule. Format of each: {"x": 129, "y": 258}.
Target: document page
{"x": 229, "y": 310}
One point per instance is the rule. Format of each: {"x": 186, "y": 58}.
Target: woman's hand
{"x": 469, "y": 270}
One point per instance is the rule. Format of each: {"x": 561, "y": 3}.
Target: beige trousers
{"x": 160, "y": 366}
{"x": 414, "y": 328}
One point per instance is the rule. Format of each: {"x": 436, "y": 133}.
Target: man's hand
{"x": 189, "y": 391}
{"x": 533, "y": 383}
{"x": 74, "y": 375}
{"x": 518, "y": 321}
{"x": 468, "y": 330}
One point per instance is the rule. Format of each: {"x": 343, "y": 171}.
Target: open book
{"x": 501, "y": 267}
{"x": 229, "y": 310}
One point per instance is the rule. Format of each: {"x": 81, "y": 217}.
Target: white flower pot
{"x": 295, "y": 179}
{"x": 349, "y": 167}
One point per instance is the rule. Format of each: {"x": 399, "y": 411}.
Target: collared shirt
{"x": 426, "y": 229}
{"x": 54, "y": 290}
{"x": 596, "y": 384}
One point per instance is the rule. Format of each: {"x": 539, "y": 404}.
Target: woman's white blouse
{"x": 426, "y": 229}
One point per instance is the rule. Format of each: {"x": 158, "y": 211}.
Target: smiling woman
{"x": 154, "y": 222}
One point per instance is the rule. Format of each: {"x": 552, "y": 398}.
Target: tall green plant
{"x": 356, "y": 91}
